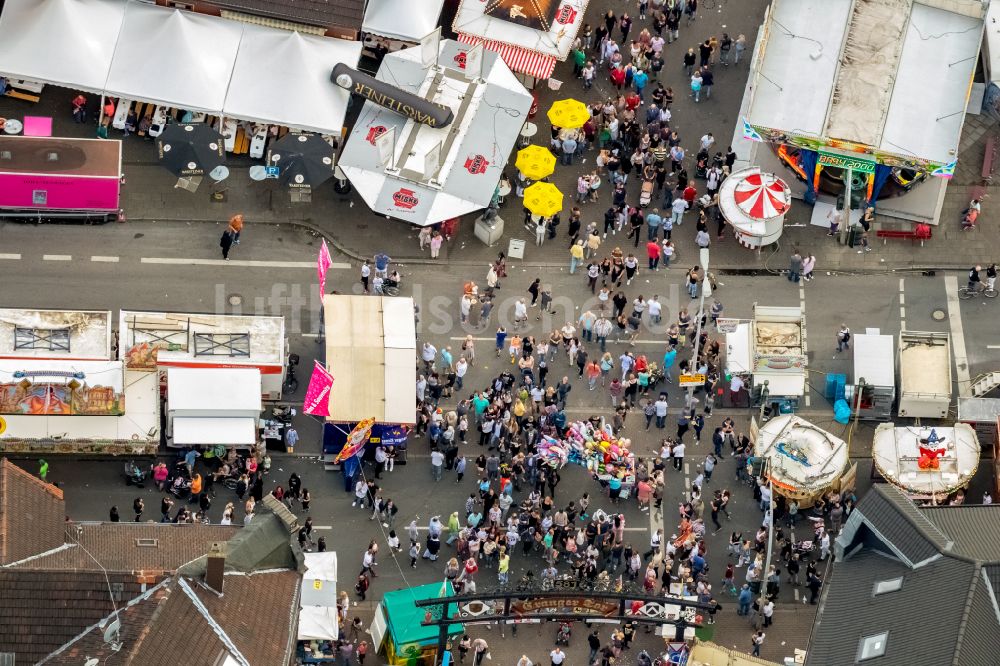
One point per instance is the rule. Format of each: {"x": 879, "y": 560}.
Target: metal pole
{"x": 442, "y": 640}
{"x": 857, "y": 406}
{"x": 845, "y": 223}
{"x": 764, "y": 392}
{"x": 706, "y": 290}
{"x": 770, "y": 541}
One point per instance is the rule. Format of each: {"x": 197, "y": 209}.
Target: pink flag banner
{"x": 317, "y": 400}
{"x": 323, "y": 264}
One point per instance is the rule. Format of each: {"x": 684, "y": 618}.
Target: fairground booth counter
{"x": 802, "y": 461}
{"x": 397, "y": 633}
{"x": 371, "y": 344}
{"x": 928, "y": 464}
{"x": 769, "y": 350}
{"x": 830, "y": 102}
{"x": 62, "y": 390}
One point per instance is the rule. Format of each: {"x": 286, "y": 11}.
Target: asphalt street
{"x": 177, "y": 266}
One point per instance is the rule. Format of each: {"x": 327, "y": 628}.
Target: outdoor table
{"x": 37, "y": 126}
{"x": 529, "y": 130}
{"x": 502, "y": 191}
{"x": 12, "y": 126}
{"x": 121, "y": 114}
{"x": 258, "y": 142}
{"x": 159, "y": 122}
{"x": 229, "y": 134}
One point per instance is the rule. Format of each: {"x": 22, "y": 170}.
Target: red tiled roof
{"x": 117, "y": 546}
{"x": 32, "y": 514}
{"x": 42, "y": 610}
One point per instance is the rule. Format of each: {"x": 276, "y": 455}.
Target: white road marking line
{"x": 958, "y": 337}
{"x": 902, "y": 298}
{"x": 236, "y": 262}
{"x": 610, "y": 341}
{"x": 993, "y": 346}
{"x": 11, "y": 255}
{"x": 309, "y": 335}
{"x": 901, "y": 281}
{"x": 57, "y": 257}
{"x": 107, "y": 260}
{"x": 902, "y": 312}
{"x": 322, "y": 527}
{"x": 902, "y": 301}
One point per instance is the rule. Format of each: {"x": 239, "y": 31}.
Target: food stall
{"x": 371, "y": 344}
{"x": 771, "y": 349}
{"x": 803, "y": 461}
{"x": 755, "y": 203}
{"x": 212, "y": 407}
{"x": 529, "y": 36}
{"x": 397, "y": 633}
{"x": 874, "y": 365}
{"x": 318, "y": 620}
{"x": 156, "y": 341}
{"x": 423, "y": 173}
{"x": 926, "y": 463}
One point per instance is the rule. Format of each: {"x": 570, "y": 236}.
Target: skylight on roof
{"x": 872, "y": 646}
{"x": 884, "y": 586}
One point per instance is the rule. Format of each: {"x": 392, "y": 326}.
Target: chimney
{"x": 215, "y": 566}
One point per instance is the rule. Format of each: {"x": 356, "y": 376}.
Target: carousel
{"x": 929, "y": 464}
{"x": 802, "y": 461}
{"x": 755, "y": 204}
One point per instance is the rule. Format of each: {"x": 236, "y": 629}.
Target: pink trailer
{"x": 59, "y": 179}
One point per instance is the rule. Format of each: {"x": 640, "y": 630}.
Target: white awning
{"x": 210, "y": 431}
{"x": 213, "y": 391}
{"x": 791, "y": 384}
{"x": 68, "y": 43}
{"x": 318, "y": 623}
{"x": 175, "y": 58}
{"x": 284, "y": 78}
{"x": 405, "y": 20}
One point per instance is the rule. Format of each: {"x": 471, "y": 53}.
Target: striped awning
{"x": 518, "y": 59}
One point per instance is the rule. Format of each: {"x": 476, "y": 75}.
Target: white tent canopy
{"x": 175, "y": 58}
{"x": 284, "y": 78}
{"x": 318, "y": 602}
{"x": 140, "y": 51}
{"x": 402, "y": 19}
{"x": 64, "y": 42}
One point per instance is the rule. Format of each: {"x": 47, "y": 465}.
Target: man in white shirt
{"x": 655, "y": 308}
{"x": 437, "y": 464}
{"x": 679, "y": 206}
{"x": 707, "y": 141}
{"x": 735, "y": 386}
{"x": 461, "y": 368}
{"x": 558, "y": 656}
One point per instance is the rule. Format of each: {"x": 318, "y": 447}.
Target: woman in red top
{"x": 617, "y": 77}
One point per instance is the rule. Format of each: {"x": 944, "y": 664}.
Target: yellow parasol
{"x": 568, "y": 113}
{"x": 535, "y": 162}
{"x": 543, "y": 199}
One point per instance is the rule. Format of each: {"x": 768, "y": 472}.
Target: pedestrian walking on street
{"x": 843, "y": 338}
{"x": 138, "y": 506}
{"x": 226, "y": 242}
{"x": 795, "y": 267}
{"x": 757, "y": 640}
{"x": 236, "y": 226}
{"x": 366, "y": 272}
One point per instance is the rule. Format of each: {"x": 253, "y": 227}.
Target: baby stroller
{"x": 646, "y": 194}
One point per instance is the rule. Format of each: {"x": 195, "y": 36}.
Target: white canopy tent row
{"x": 139, "y": 51}
{"x": 402, "y": 20}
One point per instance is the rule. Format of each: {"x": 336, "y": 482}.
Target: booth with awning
{"x": 213, "y": 406}
{"x": 371, "y": 347}
{"x": 530, "y": 37}
{"x": 318, "y": 622}
{"x": 430, "y": 174}
{"x": 140, "y": 51}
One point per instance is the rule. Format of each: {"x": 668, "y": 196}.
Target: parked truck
{"x": 924, "y": 374}
{"x": 46, "y": 179}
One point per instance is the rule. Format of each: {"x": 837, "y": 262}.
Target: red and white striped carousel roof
{"x": 762, "y": 196}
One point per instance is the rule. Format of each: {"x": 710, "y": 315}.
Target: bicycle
{"x": 965, "y": 293}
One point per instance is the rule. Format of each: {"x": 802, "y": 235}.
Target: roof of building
{"x": 130, "y": 547}
{"x": 42, "y": 610}
{"x": 929, "y": 560}
{"x": 32, "y": 514}
{"x": 253, "y": 622}
{"x": 323, "y": 13}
